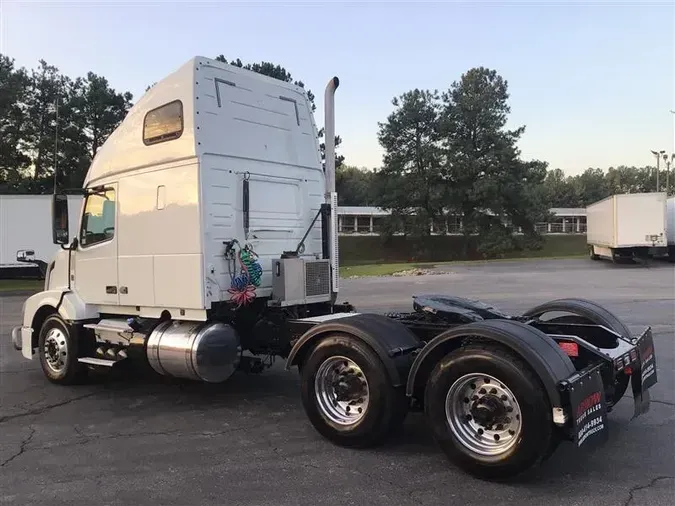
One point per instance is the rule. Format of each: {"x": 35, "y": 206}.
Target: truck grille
{"x": 317, "y": 278}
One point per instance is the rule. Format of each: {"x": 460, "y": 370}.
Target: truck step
{"x": 115, "y": 326}
{"x": 97, "y": 361}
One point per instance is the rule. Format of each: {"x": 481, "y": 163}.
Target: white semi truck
{"x": 627, "y": 226}
{"x": 207, "y": 243}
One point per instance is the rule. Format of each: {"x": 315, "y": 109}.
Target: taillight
{"x": 571, "y": 349}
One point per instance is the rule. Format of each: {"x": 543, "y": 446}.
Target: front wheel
{"x": 489, "y": 412}
{"x": 347, "y": 394}
{"x": 58, "y": 352}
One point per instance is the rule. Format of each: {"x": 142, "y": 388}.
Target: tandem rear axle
{"x": 499, "y": 392}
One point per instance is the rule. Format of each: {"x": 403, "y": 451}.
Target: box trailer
{"x": 209, "y": 230}
{"x": 25, "y": 226}
{"x": 627, "y": 226}
{"x": 670, "y": 227}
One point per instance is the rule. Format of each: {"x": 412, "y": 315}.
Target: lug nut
{"x": 482, "y": 391}
{"x": 466, "y": 400}
{"x": 480, "y": 432}
{"x": 496, "y": 437}
{"x": 503, "y": 397}
{"x": 512, "y": 432}
{"x": 509, "y": 409}
{"x": 493, "y": 391}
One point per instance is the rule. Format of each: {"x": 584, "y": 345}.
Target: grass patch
{"x": 15, "y": 285}
{"x": 385, "y": 269}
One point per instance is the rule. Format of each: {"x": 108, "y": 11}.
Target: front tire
{"x": 347, "y": 394}
{"x": 489, "y": 412}
{"x": 58, "y": 352}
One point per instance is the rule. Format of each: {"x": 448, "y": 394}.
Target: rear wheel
{"x": 489, "y": 412}
{"x": 58, "y": 352}
{"x": 347, "y": 394}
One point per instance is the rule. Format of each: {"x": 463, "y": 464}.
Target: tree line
{"x": 446, "y": 151}
{"x": 357, "y": 186}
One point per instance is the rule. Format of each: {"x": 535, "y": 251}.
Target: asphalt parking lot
{"x": 248, "y": 443}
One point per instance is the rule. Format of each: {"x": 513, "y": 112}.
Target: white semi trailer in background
{"x": 25, "y": 225}
{"x": 627, "y": 226}
{"x": 670, "y": 227}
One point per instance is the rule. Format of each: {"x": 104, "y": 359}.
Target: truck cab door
{"x": 95, "y": 262}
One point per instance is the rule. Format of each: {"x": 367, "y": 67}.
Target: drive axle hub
{"x": 341, "y": 390}
{"x": 483, "y": 414}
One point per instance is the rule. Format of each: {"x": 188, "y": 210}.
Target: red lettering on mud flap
{"x": 587, "y": 399}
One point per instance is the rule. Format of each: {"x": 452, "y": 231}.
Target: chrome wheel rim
{"x": 56, "y": 350}
{"x": 483, "y": 414}
{"x": 341, "y": 390}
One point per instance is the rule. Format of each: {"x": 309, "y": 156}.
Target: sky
{"x": 593, "y": 82}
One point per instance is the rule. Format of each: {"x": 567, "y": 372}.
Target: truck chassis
{"x": 499, "y": 392}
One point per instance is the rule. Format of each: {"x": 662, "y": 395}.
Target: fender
{"x": 545, "y": 357}
{"x": 391, "y": 340}
{"x": 582, "y": 307}
{"x": 454, "y": 308}
{"x": 66, "y": 303}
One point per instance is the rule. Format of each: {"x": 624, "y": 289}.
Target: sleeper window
{"x": 163, "y": 123}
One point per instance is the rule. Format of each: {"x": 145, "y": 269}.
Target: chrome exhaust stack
{"x": 329, "y": 132}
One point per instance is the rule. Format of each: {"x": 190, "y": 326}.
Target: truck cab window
{"x": 98, "y": 221}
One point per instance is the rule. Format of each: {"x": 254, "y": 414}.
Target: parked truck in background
{"x": 670, "y": 227}
{"x": 626, "y": 227}
{"x": 25, "y": 227}
{"x": 207, "y": 244}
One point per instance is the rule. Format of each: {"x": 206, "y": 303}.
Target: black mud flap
{"x": 644, "y": 377}
{"x": 589, "y": 409}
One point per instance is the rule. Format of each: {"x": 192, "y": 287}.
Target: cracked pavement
{"x": 247, "y": 442}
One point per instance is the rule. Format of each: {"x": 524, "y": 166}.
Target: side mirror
{"x": 60, "y": 232}
{"x": 25, "y": 255}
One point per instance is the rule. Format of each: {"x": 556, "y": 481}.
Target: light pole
{"x": 668, "y": 162}
{"x": 658, "y": 165}
{"x": 665, "y": 161}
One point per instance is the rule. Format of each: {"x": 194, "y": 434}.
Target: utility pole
{"x": 56, "y": 137}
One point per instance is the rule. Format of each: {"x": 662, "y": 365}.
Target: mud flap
{"x": 589, "y": 409}
{"x": 644, "y": 377}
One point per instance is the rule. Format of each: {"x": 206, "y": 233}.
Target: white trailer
{"x": 627, "y": 226}
{"x": 25, "y": 225}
